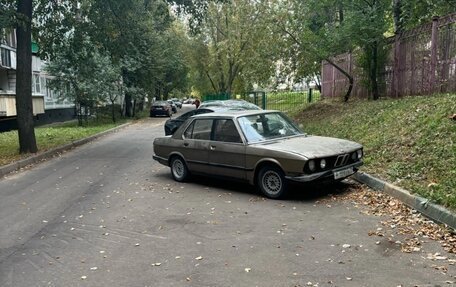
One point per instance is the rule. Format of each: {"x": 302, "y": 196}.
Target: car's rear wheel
{"x": 179, "y": 169}
{"x": 271, "y": 181}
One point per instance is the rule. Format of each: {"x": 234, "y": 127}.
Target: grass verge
{"x": 410, "y": 142}
{"x": 48, "y": 137}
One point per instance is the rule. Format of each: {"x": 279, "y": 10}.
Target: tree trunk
{"x": 349, "y": 77}
{"x": 318, "y": 82}
{"x": 128, "y": 105}
{"x": 113, "y": 111}
{"x": 141, "y": 104}
{"x": 79, "y": 114}
{"x": 374, "y": 69}
{"x": 24, "y": 102}
{"x": 397, "y": 18}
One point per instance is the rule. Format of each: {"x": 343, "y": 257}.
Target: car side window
{"x": 188, "y": 132}
{"x": 199, "y": 130}
{"x": 226, "y": 131}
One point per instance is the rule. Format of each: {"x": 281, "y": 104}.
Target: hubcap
{"x": 272, "y": 183}
{"x": 178, "y": 168}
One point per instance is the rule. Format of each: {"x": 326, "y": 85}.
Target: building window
{"x": 8, "y": 37}
{"x": 6, "y": 57}
{"x": 45, "y": 88}
{"x": 36, "y": 84}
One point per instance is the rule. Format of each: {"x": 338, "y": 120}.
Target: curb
{"x": 423, "y": 205}
{"x": 4, "y": 170}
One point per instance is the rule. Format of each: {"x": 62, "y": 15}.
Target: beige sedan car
{"x": 263, "y": 148}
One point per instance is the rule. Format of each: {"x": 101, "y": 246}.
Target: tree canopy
{"x": 133, "y": 50}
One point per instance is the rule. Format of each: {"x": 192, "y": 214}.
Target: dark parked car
{"x": 177, "y": 102}
{"x": 264, "y": 148}
{"x": 161, "y": 108}
{"x": 173, "y": 106}
{"x": 171, "y": 125}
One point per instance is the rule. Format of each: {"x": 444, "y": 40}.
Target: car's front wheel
{"x": 179, "y": 169}
{"x": 271, "y": 181}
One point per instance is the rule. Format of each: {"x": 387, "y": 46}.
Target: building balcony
{"x": 8, "y": 104}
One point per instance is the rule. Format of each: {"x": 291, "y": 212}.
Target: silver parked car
{"x": 264, "y": 148}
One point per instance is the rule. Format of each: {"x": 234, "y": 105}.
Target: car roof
{"x": 241, "y": 104}
{"x": 224, "y": 113}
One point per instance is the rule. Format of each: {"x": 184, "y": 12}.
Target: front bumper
{"x": 325, "y": 175}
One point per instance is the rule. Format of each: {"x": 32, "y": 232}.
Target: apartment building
{"x": 48, "y": 106}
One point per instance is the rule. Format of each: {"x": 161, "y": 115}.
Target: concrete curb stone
{"x": 423, "y": 205}
{"x": 4, "y": 170}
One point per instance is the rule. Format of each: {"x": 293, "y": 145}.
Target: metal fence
{"x": 419, "y": 62}
{"x": 287, "y": 102}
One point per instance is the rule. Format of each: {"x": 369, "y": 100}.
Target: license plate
{"x": 343, "y": 173}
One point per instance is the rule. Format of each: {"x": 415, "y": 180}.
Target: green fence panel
{"x": 214, "y": 97}
{"x": 291, "y": 102}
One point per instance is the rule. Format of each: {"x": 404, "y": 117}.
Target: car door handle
{"x": 213, "y": 147}
{"x": 185, "y": 144}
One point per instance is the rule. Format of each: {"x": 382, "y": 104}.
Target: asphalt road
{"x": 106, "y": 214}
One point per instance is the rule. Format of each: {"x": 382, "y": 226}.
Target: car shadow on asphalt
{"x": 297, "y": 192}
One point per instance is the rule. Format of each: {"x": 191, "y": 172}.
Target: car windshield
{"x": 261, "y": 127}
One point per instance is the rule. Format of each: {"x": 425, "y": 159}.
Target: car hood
{"x": 311, "y": 146}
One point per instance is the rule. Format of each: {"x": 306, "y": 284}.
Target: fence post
{"x": 434, "y": 44}
{"x": 264, "y": 101}
{"x": 309, "y": 96}
{"x": 396, "y": 67}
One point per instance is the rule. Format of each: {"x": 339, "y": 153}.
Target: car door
{"x": 195, "y": 144}
{"x": 227, "y": 150}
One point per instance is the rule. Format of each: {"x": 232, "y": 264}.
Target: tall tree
{"x": 24, "y": 103}
{"x": 366, "y": 23}
{"x": 233, "y": 43}
{"x": 312, "y": 32}
{"x": 132, "y": 32}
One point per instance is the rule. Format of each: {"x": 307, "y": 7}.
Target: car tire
{"x": 179, "y": 169}
{"x": 271, "y": 182}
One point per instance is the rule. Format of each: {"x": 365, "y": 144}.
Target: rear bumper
{"x": 327, "y": 174}
{"x": 159, "y": 113}
{"x": 161, "y": 160}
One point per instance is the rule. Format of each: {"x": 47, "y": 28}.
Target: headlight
{"x": 360, "y": 153}
{"x": 322, "y": 163}
{"x": 354, "y": 155}
{"x": 311, "y": 165}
